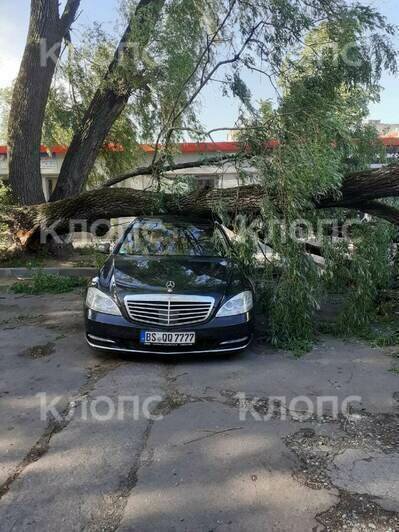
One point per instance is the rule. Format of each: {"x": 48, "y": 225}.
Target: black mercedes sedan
{"x": 170, "y": 286}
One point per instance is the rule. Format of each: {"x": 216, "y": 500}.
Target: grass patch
{"x": 85, "y": 257}
{"x": 22, "y": 262}
{"x": 378, "y": 334}
{"x": 381, "y": 331}
{"x": 298, "y": 347}
{"x": 388, "y": 339}
{"x": 44, "y": 283}
{"x": 395, "y": 370}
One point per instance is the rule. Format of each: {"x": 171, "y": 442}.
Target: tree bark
{"x": 103, "y": 204}
{"x": 366, "y": 186}
{"x": 30, "y": 225}
{"x": 106, "y": 106}
{"x": 359, "y": 192}
{"x": 45, "y": 35}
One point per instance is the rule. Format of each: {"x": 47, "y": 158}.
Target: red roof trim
{"x": 184, "y": 147}
{"x": 55, "y": 149}
{"x": 200, "y": 147}
{"x": 209, "y": 147}
{"x": 188, "y": 147}
{"x": 390, "y": 141}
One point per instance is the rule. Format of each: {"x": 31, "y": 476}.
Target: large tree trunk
{"x": 87, "y": 142}
{"x": 366, "y": 186}
{"x": 107, "y": 104}
{"x": 30, "y": 224}
{"x": 46, "y": 33}
{"x": 91, "y": 211}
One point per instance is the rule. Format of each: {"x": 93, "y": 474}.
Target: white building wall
{"x": 225, "y": 176}
{"x": 50, "y": 168}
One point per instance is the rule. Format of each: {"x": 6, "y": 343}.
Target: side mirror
{"x": 104, "y": 248}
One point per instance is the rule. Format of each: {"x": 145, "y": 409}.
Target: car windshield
{"x": 158, "y": 237}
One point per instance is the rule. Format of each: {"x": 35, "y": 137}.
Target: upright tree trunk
{"x": 87, "y": 141}
{"x": 46, "y": 33}
{"x": 108, "y": 102}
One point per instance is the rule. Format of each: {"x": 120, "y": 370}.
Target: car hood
{"x": 190, "y": 274}
{"x": 215, "y": 277}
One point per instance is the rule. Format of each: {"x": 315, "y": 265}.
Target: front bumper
{"x": 218, "y": 335}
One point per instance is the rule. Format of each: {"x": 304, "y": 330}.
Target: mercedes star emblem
{"x": 170, "y": 286}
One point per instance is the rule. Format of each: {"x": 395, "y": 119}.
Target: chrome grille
{"x": 169, "y": 309}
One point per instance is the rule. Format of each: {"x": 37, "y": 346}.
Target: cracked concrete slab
{"x": 207, "y": 470}
{"x": 79, "y": 481}
{"x": 333, "y": 368}
{"x": 22, "y": 378}
{"x": 375, "y": 473}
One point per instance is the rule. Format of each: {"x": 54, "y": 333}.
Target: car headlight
{"x": 239, "y": 304}
{"x": 100, "y": 302}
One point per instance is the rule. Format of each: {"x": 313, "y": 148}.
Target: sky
{"x": 215, "y": 110}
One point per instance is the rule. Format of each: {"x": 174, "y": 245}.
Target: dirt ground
{"x": 257, "y": 441}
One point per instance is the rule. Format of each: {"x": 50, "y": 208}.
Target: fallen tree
{"x": 93, "y": 209}
{"x": 361, "y": 191}
{"x": 362, "y": 187}
{"x": 143, "y": 67}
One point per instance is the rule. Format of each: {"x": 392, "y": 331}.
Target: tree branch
{"x": 106, "y": 105}
{"x": 69, "y": 15}
{"x": 148, "y": 170}
{"x": 175, "y": 115}
{"x": 205, "y": 54}
{"x": 380, "y": 210}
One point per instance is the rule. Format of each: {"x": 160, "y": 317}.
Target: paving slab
{"x": 207, "y": 470}
{"x": 375, "y": 473}
{"x": 334, "y": 368}
{"x": 81, "y": 480}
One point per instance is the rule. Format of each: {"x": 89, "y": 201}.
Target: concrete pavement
{"x": 190, "y": 444}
